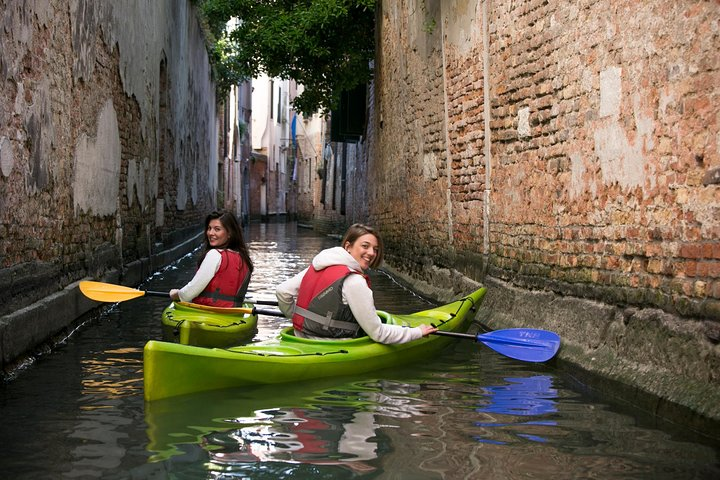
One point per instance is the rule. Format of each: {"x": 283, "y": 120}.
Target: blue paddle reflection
{"x": 521, "y": 397}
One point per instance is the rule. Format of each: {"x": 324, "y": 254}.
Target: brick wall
{"x": 257, "y": 170}
{"x": 341, "y": 193}
{"x": 565, "y": 154}
{"x": 603, "y": 138}
{"x": 108, "y": 143}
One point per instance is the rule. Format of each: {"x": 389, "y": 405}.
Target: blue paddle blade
{"x": 526, "y": 344}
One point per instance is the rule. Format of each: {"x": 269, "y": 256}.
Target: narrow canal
{"x": 78, "y": 412}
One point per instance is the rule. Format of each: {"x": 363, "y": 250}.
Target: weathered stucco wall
{"x": 340, "y": 193}
{"x": 108, "y": 146}
{"x": 566, "y": 154}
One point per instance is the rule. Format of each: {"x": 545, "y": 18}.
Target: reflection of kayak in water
{"x": 330, "y": 422}
{"x": 171, "y": 369}
{"x": 188, "y": 418}
{"x": 330, "y": 435}
{"x": 323, "y": 422}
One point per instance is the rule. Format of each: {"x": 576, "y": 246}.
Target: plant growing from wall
{"x": 429, "y": 24}
{"x": 325, "y": 45}
{"x": 242, "y": 129}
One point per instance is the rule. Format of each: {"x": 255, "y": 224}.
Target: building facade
{"x": 271, "y": 145}
{"x": 235, "y": 118}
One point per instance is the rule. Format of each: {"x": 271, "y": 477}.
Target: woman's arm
{"x": 206, "y": 272}
{"x": 360, "y": 299}
{"x": 287, "y": 292}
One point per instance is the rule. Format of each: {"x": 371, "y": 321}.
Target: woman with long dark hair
{"x": 224, "y": 269}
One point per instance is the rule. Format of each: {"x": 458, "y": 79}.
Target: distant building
{"x": 270, "y": 142}
{"x": 235, "y": 151}
{"x": 286, "y": 155}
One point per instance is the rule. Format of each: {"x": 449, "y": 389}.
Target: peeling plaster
{"x": 194, "y": 186}
{"x": 97, "y": 166}
{"x": 84, "y": 30}
{"x": 39, "y": 127}
{"x": 7, "y": 156}
{"x": 666, "y": 98}
{"x": 621, "y": 160}
{"x": 182, "y": 191}
{"x": 429, "y": 166}
{"x": 586, "y": 81}
{"x": 577, "y": 171}
{"x": 610, "y": 92}
{"x": 462, "y": 27}
{"x": 523, "y": 119}
{"x": 159, "y": 212}
{"x": 142, "y": 179}
{"x": 160, "y": 30}
{"x": 17, "y": 22}
{"x": 622, "y": 153}
{"x": 19, "y": 106}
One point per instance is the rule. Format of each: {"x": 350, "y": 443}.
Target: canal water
{"x": 77, "y": 412}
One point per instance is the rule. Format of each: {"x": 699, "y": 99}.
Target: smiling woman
{"x": 364, "y": 245}
{"x": 332, "y": 297}
{"x": 224, "y": 272}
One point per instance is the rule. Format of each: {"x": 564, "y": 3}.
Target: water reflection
{"x": 328, "y": 435}
{"x": 522, "y": 397}
{"x": 348, "y": 425}
{"x": 107, "y": 374}
{"x": 329, "y": 424}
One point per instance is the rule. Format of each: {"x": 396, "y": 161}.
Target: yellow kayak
{"x": 206, "y": 326}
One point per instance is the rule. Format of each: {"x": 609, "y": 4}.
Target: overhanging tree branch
{"x": 325, "y": 45}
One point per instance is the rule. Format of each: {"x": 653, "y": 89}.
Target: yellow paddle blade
{"x": 107, "y": 292}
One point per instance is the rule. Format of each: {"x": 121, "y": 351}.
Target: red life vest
{"x": 230, "y": 283}
{"x": 319, "y": 309}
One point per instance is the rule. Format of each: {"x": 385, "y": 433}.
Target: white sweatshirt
{"x": 206, "y": 272}
{"x": 356, "y": 294}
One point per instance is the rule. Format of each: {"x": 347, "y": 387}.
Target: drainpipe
{"x": 448, "y": 156}
{"x": 148, "y": 232}
{"x": 119, "y": 238}
{"x": 486, "y": 101}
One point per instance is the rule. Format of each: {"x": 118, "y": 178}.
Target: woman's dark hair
{"x": 235, "y": 237}
{"x": 356, "y": 231}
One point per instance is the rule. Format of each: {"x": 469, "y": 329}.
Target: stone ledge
{"x": 26, "y": 330}
{"x": 663, "y": 364}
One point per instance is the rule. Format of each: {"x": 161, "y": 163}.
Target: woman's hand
{"x": 427, "y": 330}
{"x": 174, "y": 294}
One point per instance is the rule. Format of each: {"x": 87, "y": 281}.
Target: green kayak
{"x": 205, "y": 326}
{"x": 172, "y": 369}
